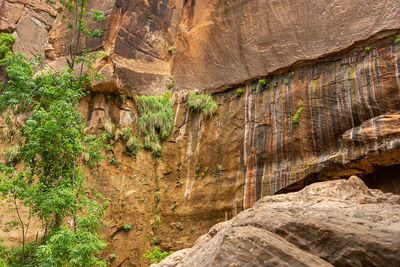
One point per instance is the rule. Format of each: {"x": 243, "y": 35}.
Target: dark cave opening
{"x": 386, "y": 179}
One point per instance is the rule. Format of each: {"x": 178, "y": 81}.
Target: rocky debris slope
{"x": 340, "y": 223}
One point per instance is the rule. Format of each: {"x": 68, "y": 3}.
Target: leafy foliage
{"x": 203, "y": 103}
{"x": 6, "y": 42}
{"x": 154, "y": 240}
{"x": 75, "y": 15}
{"x": 397, "y": 40}
{"x": 127, "y": 227}
{"x": 12, "y": 155}
{"x": 239, "y": 92}
{"x": 50, "y": 184}
{"x": 156, "y": 255}
{"x": 114, "y": 161}
{"x": 262, "y": 82}
{"x": 156, "y": 120}
{"x": 132, "y": 146}
{"x": 218, "y": 170}
{"x": 158, "y": 220}
{"x": 298, "y": 113}
{"x": 67, "y": 247}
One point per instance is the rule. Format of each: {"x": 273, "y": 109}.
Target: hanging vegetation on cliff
{"x": 203, "y": 103}
{"x": 156, "y": 120}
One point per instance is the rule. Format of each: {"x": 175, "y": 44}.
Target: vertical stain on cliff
{"x": 343, "y": 99}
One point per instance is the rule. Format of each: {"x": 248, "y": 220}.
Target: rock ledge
{"x": 341, "y": 223}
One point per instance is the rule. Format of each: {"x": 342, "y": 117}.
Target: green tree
{"x": 52, "y": 144}
{"x": 156, "y": 255}
{"x": 75, "y": 14}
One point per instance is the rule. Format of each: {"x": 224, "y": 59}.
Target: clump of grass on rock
{"x": 202, "y": 103}
{"x": 156, "y": 120}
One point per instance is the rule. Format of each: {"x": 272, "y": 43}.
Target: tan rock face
{"x": 349, "y": 113}
{"x": 31, "y": 32}
{"x": 228, "y": 42}
{"x": 10, "y": 13}
{"x": 140, "y": 33}
{"x": 211, "y": 169}
{"x": 335, "y": 223}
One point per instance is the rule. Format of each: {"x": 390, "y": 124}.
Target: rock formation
{"x": 334, "y": 223}
{"x": 333, "y": 63}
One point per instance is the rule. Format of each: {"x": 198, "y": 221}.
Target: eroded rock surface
{"x": 349, "y": 124}
{"x": 227, "y": 42}
{"x": 340, "y": 223}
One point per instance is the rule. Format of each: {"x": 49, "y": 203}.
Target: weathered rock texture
{"x": 313, "y": 51}
{"x": 224, "y": 42}
{"x": 334, "y": 223}
{"x": 350, "y": 112}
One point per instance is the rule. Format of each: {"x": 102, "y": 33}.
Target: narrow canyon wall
{"x": 225, "y": 42}
{"x": 349, "y": 123}
{"x": 312, "y": 55}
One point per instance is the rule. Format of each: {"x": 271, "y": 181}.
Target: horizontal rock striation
{"x": 224, "y": 42}
{"x": 334, "y": 223}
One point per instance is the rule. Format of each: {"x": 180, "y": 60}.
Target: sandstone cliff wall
{"x": 310, "y": 52}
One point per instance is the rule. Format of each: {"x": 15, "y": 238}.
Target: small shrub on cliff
{"x": 127, "y": 133}
{"x": 170, "y": 82}
{"x": 239, "y": 92}
{"x": 118, "y": 134}
{"x": 158, "y": 221}
{"x": 154, "y": 240}
{"x": 156, "y": 197}
{"x": 171, "y": 49}
{"x": 204, "y": 172}
{"x": 108, "y": 127}
{"x": 93, "y": 150}
{"x": 262, "y": 82}
{"x": 397, "y": 40}
{"x": 132, "y": 146}
{"x": 218, "y": 170}
{"x": 203, "y": 103}
{"x": 127, "y": 227}
{"x": 156, "y": 120}
{"x": 156, "y": 255}
{"x": 113, "y": 161}
{"x": 298, "y": 113}
{"x": 367, "y": 49}
{"x": 12, "y": 155}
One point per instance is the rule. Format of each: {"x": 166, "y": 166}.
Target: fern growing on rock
{"x": 298, "y": 113}
{"x": 202, "y": 103}
{"x": 156, "y": 120}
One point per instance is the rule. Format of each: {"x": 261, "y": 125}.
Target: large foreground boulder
{"x": 340, "y": 223}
